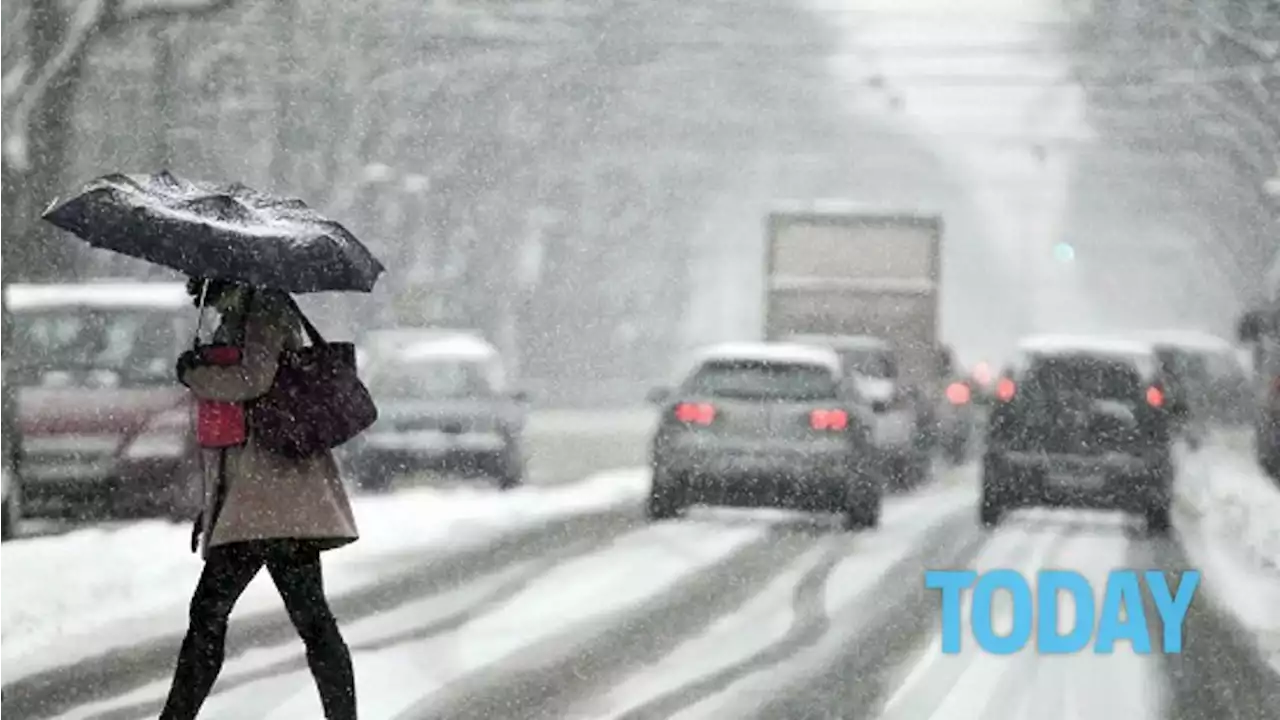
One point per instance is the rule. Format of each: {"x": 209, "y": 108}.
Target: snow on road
{"x": 80, "y": 594}
{"x": 770, "y": 615}
{"x": 392, "y": 677}
{"x": 511, "y": 617}
{"x": 975, "y": 684}
{"x": 406, "y": 653}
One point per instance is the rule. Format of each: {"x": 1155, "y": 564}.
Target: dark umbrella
{"x": 230, "y": 232}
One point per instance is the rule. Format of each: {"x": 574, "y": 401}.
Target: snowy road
{"x": 592, "y": 613}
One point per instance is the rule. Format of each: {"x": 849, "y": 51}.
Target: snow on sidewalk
{"x": 77, "y": 595}
{"x": 1234, "y": 536}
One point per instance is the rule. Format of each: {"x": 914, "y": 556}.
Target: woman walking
{"x": 260, "y": 509}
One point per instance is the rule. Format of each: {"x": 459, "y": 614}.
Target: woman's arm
{"x": 265, "y": 334}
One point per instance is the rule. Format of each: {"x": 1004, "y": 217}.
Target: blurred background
{"x": 585, "y": 182}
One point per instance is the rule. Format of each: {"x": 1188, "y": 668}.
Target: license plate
{"x": 1076, "y": 480}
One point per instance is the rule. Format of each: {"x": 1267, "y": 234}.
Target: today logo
{"x": 1122, "y": 615}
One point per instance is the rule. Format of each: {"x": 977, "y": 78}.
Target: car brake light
{"x": 695, "y": 413}
{"x": 1006, "y": 389}
{"x": 828, "y": 420}
{"x": 958, "y": 393}
{"x": 1155, "y": 398}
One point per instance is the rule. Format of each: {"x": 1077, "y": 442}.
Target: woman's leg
{"x": 298, "y": 577}
{"x": 228, "y": 570}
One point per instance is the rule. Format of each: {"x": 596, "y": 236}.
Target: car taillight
{"x": 828, "y": 420}
{"x": 1006, "y": 389}
{"x": 958, "y": 393}
{"x": 695, "y": 413}
{"x": 1155, "y": 397}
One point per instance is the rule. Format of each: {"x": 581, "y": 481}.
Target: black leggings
{"x": 295, "y": 570}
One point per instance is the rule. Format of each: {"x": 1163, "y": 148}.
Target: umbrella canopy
{"x": 230, "y": 232}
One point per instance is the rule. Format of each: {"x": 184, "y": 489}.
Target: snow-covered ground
{"x": 1230, "y": 528}
{"x": 771, "y": 615}
{"x": 80, "y": 594}
{"x": 397, "y": 669}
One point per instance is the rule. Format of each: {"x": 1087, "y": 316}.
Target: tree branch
{"x": 128, "y": 12}
{"x": 26, "y": 99}
{"x": 1263, "y": 49}
{"x": 91, "y": 18}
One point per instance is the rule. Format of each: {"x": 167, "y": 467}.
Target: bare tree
{"x": 40, "y": 87}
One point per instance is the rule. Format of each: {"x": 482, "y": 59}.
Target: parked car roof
{"x": 114, "y": 294}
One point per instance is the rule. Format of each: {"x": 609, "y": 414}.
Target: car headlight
{"x": 165, "y": 436}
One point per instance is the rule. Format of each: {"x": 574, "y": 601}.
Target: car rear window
{"x": 756, "y": 379}
{"x": 1089, "y": 376}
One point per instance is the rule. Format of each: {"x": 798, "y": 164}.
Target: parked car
{"x": 103, "y": 426}
{"x": 443, "y": 404}
{"x": 11, "y": 519}
{"x": 765, "y": 424}
{"x": 1080, "y": 422}
{"x": 1260, "y": 328}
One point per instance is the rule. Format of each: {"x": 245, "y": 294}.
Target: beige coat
{"x": 268, "y": 496}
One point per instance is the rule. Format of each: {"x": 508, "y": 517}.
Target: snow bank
{"x": 77, "y": 595}
{"x": 1234, "y": 536}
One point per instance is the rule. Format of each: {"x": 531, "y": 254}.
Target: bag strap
{"x": 312, "y": 333}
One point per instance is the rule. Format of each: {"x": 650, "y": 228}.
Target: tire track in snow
{"x": 854, "y": 675}
{"x": 552, "y": 680}
{"x": 60, "y": 690}
{"x": 544, "y": 679}
{"x": 935, "y": 677}
{"x": 811, "y": 621}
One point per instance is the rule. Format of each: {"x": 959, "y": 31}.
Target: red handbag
{"x": 219, "y": 423}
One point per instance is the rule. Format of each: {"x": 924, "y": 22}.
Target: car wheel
{"x": 863, "y": 515}
{"x": 510, "y": 478}
{"x": 665, "y": 495}
{"x": 1158, "y": 521}
{"x": 990, "y": 511}
{"x": 505, "y": 467}
{"x": 12, "y": 518}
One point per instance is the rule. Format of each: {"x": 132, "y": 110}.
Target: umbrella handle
{"x": 204, "y": 292}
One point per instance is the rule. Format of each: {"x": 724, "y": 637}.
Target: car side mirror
{"x": 1252, "y": 326}
{"x": 658, "y": 395}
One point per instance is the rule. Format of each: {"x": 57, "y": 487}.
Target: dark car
{"x": 1080, "y": 422}
{"x": 10, "y": 491}
{"x": 443, "y": 404}
{"x": 764, "y": 425}
{"x": 103, "y": 427}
